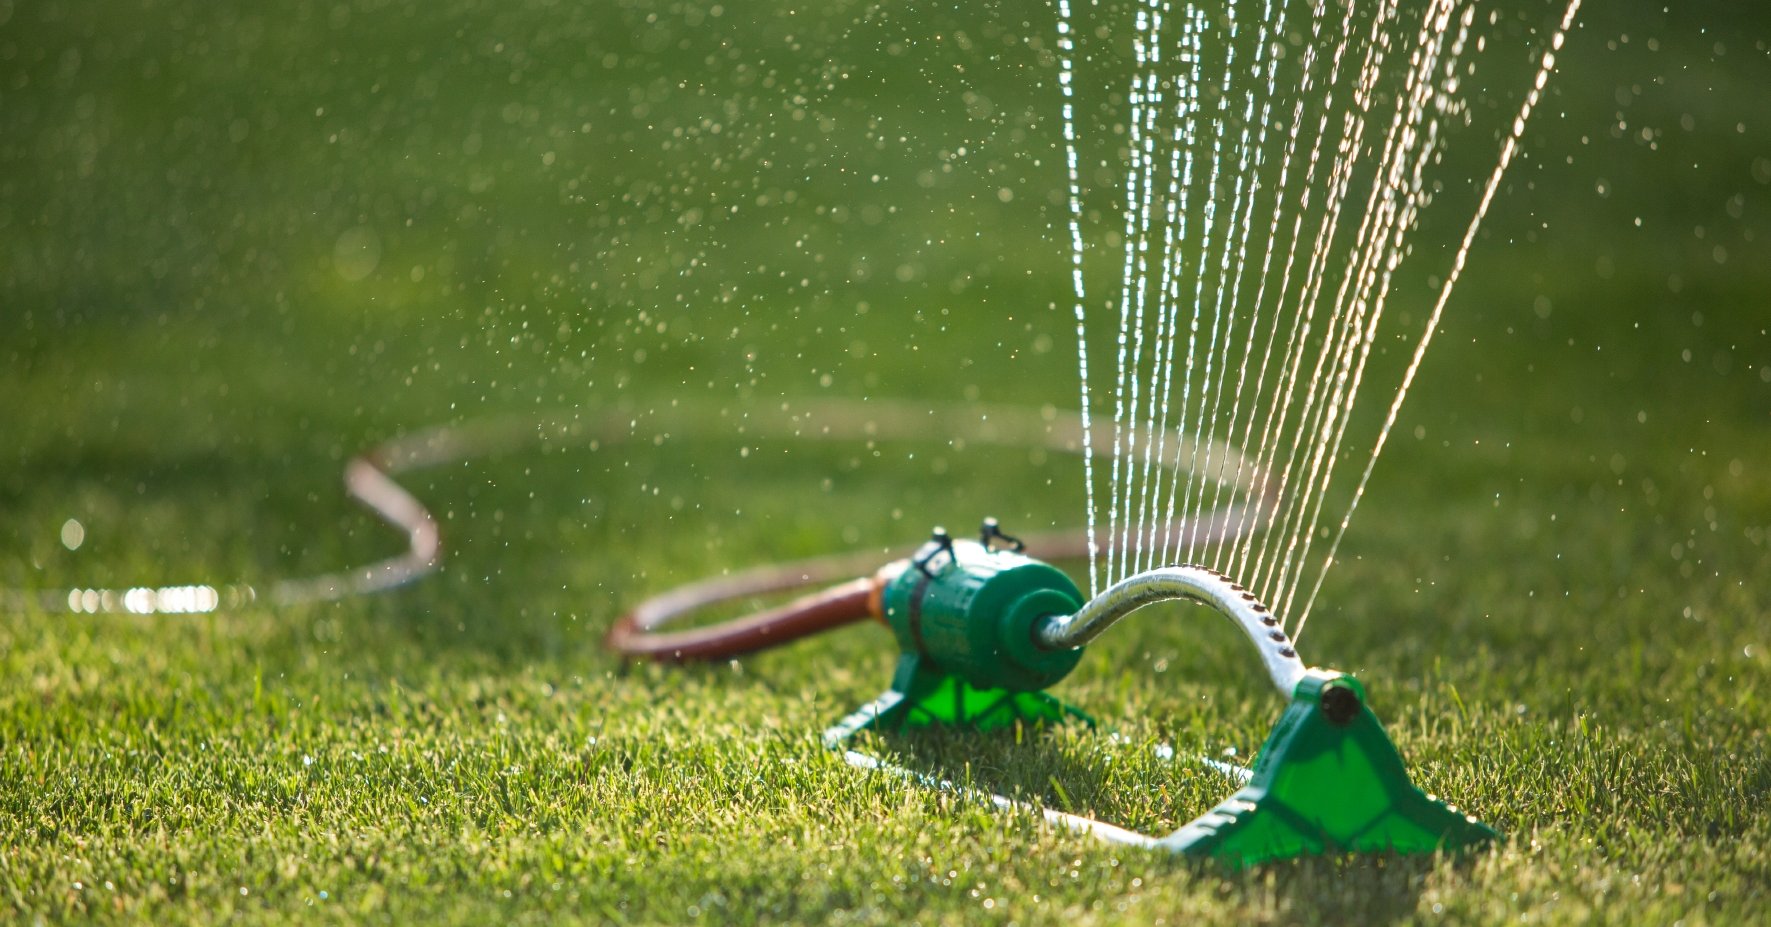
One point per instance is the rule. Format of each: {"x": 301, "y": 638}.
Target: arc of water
{"x": 1173, "y": 266}
{"x": 1509, "y": 149}
{"x": 1252, "y": 171}
{"x": 1192, "y": 41}
{"x": 1305, "y": 87}
{"x": 1265, "y": 507}
{"x": 1137, "y": 491}
{"x": 1311, "y": 348}
{"x": 1390, "y": 216}
{"x": 1270, "y": 568}
{"x": 1373, "y": 240}
{"x": 1066, "y": 86}
{"x": 1280, "y": 500}
{"x": 1415, "y": 200}
{"x": 1121, "y": 390}
{"x": 1201, "y": 425}
{"x": 1340, "y": 175}
{"x": 1208, "y": 216}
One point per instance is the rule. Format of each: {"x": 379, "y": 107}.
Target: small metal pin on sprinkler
{"x": 983, "y": 629}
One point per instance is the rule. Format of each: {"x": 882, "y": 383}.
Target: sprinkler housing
{"x": 983, "y": 629}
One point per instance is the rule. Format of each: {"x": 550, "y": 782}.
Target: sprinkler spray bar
{"x": 1193, "y": 583}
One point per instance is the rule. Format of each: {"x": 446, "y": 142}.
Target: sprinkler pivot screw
{"x": 1340, "y": 705}
{"x": 939, "y": 542}
{"x": 992, "y": 532}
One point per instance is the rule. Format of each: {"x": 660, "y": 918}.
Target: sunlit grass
{"x": 1554, "y": 590}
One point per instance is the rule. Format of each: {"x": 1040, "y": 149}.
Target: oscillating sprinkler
{"x": 984, "y": 629}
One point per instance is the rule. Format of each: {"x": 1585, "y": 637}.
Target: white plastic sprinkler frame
{"x": 1190, "y": 583}
{"x": 1327, "y": 779}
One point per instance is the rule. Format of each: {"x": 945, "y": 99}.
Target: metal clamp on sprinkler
{"x": 983, "y": 629}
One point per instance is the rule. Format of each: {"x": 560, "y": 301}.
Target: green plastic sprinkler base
{"x": 1327, "y": 780}
{"x": 922, "y": 697}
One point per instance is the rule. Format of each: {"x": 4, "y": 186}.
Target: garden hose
{"x": 852, "y": 595}
{"x": 371, "y": 479}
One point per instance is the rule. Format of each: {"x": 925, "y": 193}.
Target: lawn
{"x": 239, "y": 243}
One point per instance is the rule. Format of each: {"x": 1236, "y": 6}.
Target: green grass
{"x": 1556, "y": 589}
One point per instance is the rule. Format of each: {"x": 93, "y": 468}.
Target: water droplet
{"x": 357, "y": 252}
{"x": 73, "y": 534}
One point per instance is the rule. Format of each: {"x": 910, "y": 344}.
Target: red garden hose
{"x": 851, "y": 582}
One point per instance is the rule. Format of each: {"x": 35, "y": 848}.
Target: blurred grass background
{"x": 239, "y": 243}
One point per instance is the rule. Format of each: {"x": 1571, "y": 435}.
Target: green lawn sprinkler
{"x": 985, "y": 629}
